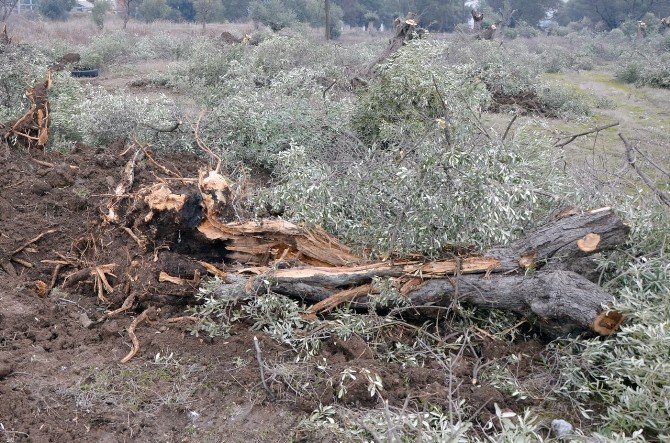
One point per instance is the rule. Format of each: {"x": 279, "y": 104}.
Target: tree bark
{"x": 537, "y": 277}
{"x": 327, "y": 14}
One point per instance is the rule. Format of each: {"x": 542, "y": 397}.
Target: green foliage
{"x": 207, "y": 11}
{"x": 514, "y": 81}
{"x": 66, "y": 100}
{"x": 643, "y": 70}
{"x": 105, "y": 49}
{"x": 100, "y": 9}
{"x": 421, "y": 177}
{"x": 371, "y": 17}
{"x": 181, "y": 10}
{"x": 106, "y": 118}
{"x": 612, "y": 13}
{"x": 56, "y": 9}
{"x": 630, "y": 73}
{"x": 273, "y": 95}
{"x": 18, "y": 64}
{"x": 411, "y": 92}
{"x": 152, "y": 10}
{"x": 272, "y": 13}
{"x": 162, "y": 46}
{"x": 529, "y": 11}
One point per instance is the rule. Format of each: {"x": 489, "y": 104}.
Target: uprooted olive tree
{"x": 544, "y": 276}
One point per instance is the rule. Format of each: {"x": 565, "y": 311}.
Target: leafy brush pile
{"x": 20, "y": 65}
{"x": 421, "y": 171}
{"x": 644, "y": 70}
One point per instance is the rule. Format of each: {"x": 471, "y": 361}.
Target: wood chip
{"x": 165, "y": 277}
{"x": 41, "y": 288}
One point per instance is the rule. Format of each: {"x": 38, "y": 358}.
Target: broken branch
{"x": 571, "y": 138}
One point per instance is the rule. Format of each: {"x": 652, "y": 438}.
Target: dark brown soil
{"x": 60, "y": 376}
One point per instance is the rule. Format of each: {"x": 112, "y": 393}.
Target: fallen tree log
{"x": 537, "y": 276}
{"x": 534, "y": 277}
{"x": 558, "y": 303}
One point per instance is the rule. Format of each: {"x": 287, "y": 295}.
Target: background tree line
{"x": 436, "y": 15}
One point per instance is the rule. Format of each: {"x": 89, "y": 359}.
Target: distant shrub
{"x": 106, "y": 49}
{"x": 515, "y": 82}
{"x": 162, "y": 46}
{"x": 556, "y": 60}
{"x": 272, "y": 13}
{"x": 525, "y": 30}
{"x": 205, "y": 73}
{"x": 100, "y": 9}
{"x": 557, "y": 100}
{"x": 630, "y": 73}
{"x": 56, "y": 9}
{"x": 560, "y": 31}
{"x": 152, "y": 10}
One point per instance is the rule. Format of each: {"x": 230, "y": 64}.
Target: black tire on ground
{"x": 85, "y": 73}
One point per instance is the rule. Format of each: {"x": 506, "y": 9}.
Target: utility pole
{"x": 327, "y": 10}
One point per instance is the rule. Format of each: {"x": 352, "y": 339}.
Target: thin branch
{"x": 201, "y": 144}
{"x": 328, "y": 89}
{"x": 574, "y": 137}
{"x": 259, "y": 358}
{"x": 509, "y": 126}
{"x": 651, "y": 161}
{"x": 630, "y": 156}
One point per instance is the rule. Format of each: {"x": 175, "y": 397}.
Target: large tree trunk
{"x": 542, "y": 276}
{"x": 537, "y": 276}
{"x": 405, "y": 30}
{"x": 327, "y": 14}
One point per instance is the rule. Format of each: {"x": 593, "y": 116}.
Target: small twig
{"x": 203, "y": 146}
{"x": 323, "y": 94}
{"x": 131, "y": 332}
{"x": 34, "y": 240}
{"x": 43, "y": 163}
{"x": 127, "y": 304}
{"x": 161, "y": 167}
{"x": 509, "y": 126}
{"x": 651, "y": 161}
{"x": 140, "y": 242}
{"x": 24, "y": 263}
{"x": 447, "y": 116}
{"x": 574, "y": 137}
{"x": 54, "y": 277}
{"x": 259, "y": 357}
{"x": 183, "y": 318}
